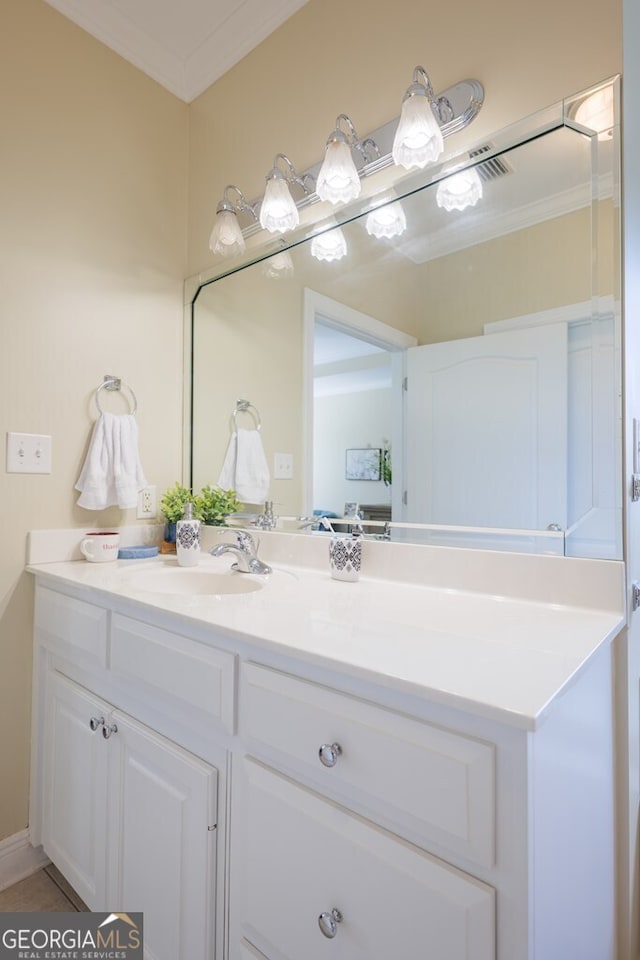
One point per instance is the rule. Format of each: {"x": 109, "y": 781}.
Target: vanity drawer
{"x": 181, "y": 670}
{"x": 301, "y": 856}
{"x": 414, "y": 775}
{"x": 71, "y": 627}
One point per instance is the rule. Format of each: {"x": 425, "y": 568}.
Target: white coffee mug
{"x": 99, "y": 547}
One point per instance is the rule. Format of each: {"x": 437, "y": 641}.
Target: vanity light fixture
{"x": 427, "y": 119}
{"x": 418, "y": 140}
{"x": 226, "y": 236}
{"x": 278, "y": 211}
{"x": 329, "y": 245}
{"x": 338, "y": 179}
{"x": 460, "y": 190}
{"x": 386, "y": 221}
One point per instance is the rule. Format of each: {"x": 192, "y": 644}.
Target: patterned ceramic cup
{"x": 345, "y": 558}
{"x": 100, "y": 546}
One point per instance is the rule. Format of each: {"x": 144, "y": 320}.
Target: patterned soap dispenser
{"x": 188, "y": 538}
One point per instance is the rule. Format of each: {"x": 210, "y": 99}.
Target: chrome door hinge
{"x": 635, "y": 487}
{"x": 405, "y": 498}
{"x": 635, "y": 595}
{"x": 213, "y": 827}
{"x": 405, "y": 384}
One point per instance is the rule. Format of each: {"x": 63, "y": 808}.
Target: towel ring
{"x": 115, "y": 383}
{"x": 244, "y": 406}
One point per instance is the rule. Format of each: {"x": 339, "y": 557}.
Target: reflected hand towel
{"x": 245, "y": 467}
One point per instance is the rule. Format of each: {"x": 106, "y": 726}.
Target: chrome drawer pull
{"x": 329, "y": 753}
{"x": 328, "y": 923}
{"x": 107, "y": 731}
{"x": 96, "y": 722}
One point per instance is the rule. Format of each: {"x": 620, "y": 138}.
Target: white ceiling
{"x": 185, "y": 45}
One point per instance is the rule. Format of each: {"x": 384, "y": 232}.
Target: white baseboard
{"x": 18, "y": 859}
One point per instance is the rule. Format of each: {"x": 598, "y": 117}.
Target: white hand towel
{"x": 112, "y": 474}
{"x": 245, "y": 467}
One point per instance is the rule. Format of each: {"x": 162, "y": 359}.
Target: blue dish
{"x": 137, "y": 553}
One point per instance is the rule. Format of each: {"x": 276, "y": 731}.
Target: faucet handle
{"x": 247, "y": 541}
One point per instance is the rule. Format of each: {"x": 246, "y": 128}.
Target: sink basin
{"x": 192, "y": 582}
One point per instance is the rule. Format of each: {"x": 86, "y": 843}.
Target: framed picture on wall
{"x": 350, "y": 509}
{"x": 363, "y": 464}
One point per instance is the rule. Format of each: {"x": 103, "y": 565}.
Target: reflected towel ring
{"x": 115, "y": 383}
{"x": 245, "y": 406}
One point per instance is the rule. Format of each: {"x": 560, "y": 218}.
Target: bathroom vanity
{"x": 419, "y": 764}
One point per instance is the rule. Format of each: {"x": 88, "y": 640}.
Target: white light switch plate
{"x": 28, "y": 453}
{"x": 283, "y": 466}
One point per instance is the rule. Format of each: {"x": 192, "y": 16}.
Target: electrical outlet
{"x": 28, "y": 453}
{"x": 283, "y": 466}
{"x": 146, "y": 503}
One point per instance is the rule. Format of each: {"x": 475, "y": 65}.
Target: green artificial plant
{"x": 213, "y": 505}
{"x": 173, "y": 501}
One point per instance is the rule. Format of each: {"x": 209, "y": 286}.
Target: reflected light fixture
{"x": 279, "y": 266}
{"x": 418, "y": 140}
{"x": 329, "y": 245}
{"x": 596, "y": 112}
{"x": 338, "y": 179}
{"x": 460, "y": 190}
{"x": 226, "y": 237}
{"x": 278, "y": 211}
{"x": 386, "y": 221}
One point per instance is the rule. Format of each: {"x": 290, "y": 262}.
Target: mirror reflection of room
{"x": 494, "y": 395}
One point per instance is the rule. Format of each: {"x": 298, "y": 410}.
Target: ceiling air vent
{"x": 492, "y": 168}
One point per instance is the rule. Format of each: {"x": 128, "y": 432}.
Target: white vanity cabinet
{"x": 259, "y": 800}
{"x": 128, "y": 816}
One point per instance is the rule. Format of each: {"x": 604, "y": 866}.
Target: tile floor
{"x": 46, "y": 891}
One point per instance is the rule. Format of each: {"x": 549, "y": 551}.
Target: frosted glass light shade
{"x": 460, "y": 190}
{"x": 330, "y": 246}
{"x": 338, "y": 180}
{"x": 418, "y": 140}
{"x": 278, "y": 212}
{"x": 226, "y": 236}
{"x": 386, "y": 222}
{"x": 279, "y": 267}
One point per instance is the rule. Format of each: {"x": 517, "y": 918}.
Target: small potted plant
{"x": 172, "y": 508}
{"x": 213, "y": 505}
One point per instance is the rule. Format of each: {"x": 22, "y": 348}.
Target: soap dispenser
{"x": 188, "y": 538}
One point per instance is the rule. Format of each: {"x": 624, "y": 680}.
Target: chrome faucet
{"x": 246, "y": 550}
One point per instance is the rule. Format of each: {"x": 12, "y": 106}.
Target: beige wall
{"x": 93, "y": 240}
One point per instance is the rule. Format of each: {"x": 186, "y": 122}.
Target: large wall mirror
{"x": 461, "y": 379}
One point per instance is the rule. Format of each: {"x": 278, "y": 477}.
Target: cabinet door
{"x": 75, "y": 787}
{"x": 304, "y": 869}
{"x": 162, "y": 830}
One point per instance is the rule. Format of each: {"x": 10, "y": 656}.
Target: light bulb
{"x": 418, "y": 140}
{"x": 226, "y": 236}
{"x": 278, "y": 212}
{"x": 386, "y": 222}
{"x": 329, "y": 246}
{"x": 338, "y": 180}
{"x": 460, "y": 190}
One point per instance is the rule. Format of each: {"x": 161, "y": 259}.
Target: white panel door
{"x": 491, "y": 417}
{"x": 75, "y": 787}
{"x": 162, "y": 830}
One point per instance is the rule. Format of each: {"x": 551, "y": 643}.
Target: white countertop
{"x": 501, "y": 656}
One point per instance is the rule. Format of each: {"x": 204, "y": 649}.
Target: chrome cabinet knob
{"x": 328, "y": 923}
{"x": 96, "y": 722}
{"x": 107, "y": 731}
{"x": 329, "y": 753}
